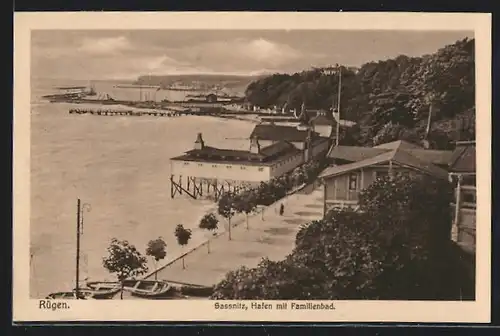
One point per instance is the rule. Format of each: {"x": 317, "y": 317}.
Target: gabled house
{"x": 306, "y": 140}
{"x": 462, "y": 167}
{"x": 355, "y": 168}
{"x": 257, "y": 164}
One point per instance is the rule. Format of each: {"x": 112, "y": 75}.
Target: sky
{"x": 107, "y": 54}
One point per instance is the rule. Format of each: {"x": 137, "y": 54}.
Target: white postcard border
{"x": 25, "y": 309}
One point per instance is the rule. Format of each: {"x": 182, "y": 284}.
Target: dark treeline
{"x": 389, "y": 99}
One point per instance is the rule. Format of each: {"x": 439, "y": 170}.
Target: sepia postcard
{"x": 271, "y": 167}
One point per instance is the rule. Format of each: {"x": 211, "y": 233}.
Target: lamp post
{"x": 79, "y": 231}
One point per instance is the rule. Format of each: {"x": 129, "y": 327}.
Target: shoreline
{"x": 117, "y": 146}
{"x": 200, "y": 237}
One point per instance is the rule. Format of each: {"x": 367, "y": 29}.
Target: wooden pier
{"x": 157, "y": 113}
{"x": 196, "y": 187}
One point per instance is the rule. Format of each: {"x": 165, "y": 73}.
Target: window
{"x": 404, "y": 173}
{"x": 381, "y": 174}
{"x": 229, "y": 167}
{"x": 353, "y": 182}
{"x": 200, "y": 164}
{"x": 243, "y": 168}
{"x": 469, "y": 180}
{"x": 468, "y": 196}
{"x": 261, "y": 169}
{"x": 186, "y": 163}
{"x": 214, "y": 166}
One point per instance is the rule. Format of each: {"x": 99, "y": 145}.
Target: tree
{"x": 183, "y": 236}
{"x": 246, "y": 204}
{"x": 402, "y": 93}
{"x": 226, "y": 209}
{"x": 412, "y": 213}
{"x": 125, "y": 261}
{"x": 209, "y": 222}
{"x": 157, "y": 250}
{"x": 415, "y": 209}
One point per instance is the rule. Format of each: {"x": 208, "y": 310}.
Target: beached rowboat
{"x": 148, "y": 289}
{"x": 103, "y": 290}
{"x": 84, "y": 295}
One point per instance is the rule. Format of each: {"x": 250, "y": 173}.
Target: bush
{"x": 413, "y": 210}
{"x": 396, "y": 248}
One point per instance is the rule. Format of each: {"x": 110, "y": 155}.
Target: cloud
{"x": 124, "y": 56}
{"x": 238, "y": 54}
{"x": 106, "y": 45}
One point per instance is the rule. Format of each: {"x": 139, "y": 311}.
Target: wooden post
{"x": 335, "y": 189}
{"x": 337, "y": 140}
{"x": 348, "y": 189}
{"x": 324, "y": 198}
{"x": 171, "y": 186}
{"x": 456, "y": 222}
{"x": 78, "y": 223}
{"x": 362, "y": 180}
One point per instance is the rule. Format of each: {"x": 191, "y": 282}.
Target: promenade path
{"x": 272, "y": 237}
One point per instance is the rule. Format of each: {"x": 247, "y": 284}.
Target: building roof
{"x": 266, "y": 155}
{"x": 404, "y": 158}
{"x": 399, "y": 144}
{"x": 279, "y": 132}
{"x": 463, "y": 158}
{"x": 438, "y": 157}
{"x": 276, "y": 149}
{"x": 323, "y": 119}
{"x": 354, "y": 153}
{"x": 397, "y": 156}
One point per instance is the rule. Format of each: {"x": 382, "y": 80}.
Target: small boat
{"x": 102, "y": 290}
{"x": 148, "y": 289}
{"x": 103, "y": 285}
{"x": 84, "y": 295}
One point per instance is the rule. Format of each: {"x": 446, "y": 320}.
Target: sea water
{"x": 117, "y": 165}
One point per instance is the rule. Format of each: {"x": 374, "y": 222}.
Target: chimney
{"x": 199, "y": 144}
{"x": 254, "y": 145}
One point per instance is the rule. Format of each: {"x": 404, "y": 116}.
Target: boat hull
{"x": 105, "y": 295}
{"x": 69, "y": 296}
{"x": 104, "y": 290}
{"x": 149, "y": 289}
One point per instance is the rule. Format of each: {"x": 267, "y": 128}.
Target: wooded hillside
{"x": 388, "y": 99}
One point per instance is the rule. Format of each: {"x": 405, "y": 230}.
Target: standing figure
{"x": 282, "y": 209}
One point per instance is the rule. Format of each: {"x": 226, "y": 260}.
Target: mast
{"x": 338, "y": 105}
{"x": 78, "y": 223}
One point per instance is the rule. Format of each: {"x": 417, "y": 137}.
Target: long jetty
{"x": 107, "y": 112}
